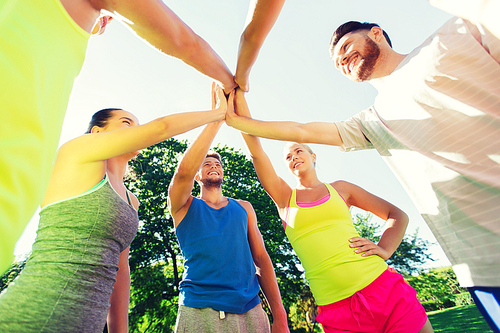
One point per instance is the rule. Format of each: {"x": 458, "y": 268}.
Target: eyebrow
{"x": 130, "y": 119}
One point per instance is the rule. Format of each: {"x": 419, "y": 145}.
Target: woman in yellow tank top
{"x": 347, "y": 274}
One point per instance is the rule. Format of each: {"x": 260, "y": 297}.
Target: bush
{"x": 439, "y": 289}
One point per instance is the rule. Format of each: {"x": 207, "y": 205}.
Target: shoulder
{"x": 245, "y": 204}
{"x": 341, "y": 184}
{"x": 344, "y": 189}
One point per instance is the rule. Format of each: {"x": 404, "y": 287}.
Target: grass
{"x": 459, "y": 319}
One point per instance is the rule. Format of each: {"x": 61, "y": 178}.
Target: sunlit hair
{"x": 215, "y": 155}
{"x": 287, "y": 147}
{"x": 352, "y": 26}
{"x": 100, "y": 118}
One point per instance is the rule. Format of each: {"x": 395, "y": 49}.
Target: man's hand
{"x": 366, "y": 248}
{"x": 219, "y": 101}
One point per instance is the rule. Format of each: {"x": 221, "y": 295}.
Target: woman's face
{"x": 299, "y": 159}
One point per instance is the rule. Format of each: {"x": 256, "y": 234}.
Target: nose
{"x": 343, "y": 59}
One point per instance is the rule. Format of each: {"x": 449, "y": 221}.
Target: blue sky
{"x": 293, "y": 79}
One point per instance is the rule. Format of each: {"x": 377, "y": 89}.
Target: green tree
{"x": 439, "y": 289}
{"x": 409, "y": 256}
{"x": 12, "y": 273}
{"x": 155, "y": 257}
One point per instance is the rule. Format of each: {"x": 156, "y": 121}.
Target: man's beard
{"x": 371, "y": 52}
{"x": 211, "y": 183}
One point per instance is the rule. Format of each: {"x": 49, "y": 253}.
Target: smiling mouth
{"x": 297, "y": 164}
{"x": 351, "y": 63}
{"x": 213, "y": 173}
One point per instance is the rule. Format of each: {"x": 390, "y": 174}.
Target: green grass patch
{"x": 463, "y": 319}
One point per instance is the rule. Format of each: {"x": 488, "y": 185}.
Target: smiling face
{"x": 299, "y": 158}
{"x": 356, "y": 55}
{"x": 211, "y": 173}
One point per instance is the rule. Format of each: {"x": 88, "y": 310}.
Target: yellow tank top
{"x": 42, "y": 52}
{"x": 320, "y": 237}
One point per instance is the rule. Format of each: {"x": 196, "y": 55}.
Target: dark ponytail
{"x": 100, "y": 118}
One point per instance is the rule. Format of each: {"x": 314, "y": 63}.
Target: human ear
{"x": 95, "y": 129}
{"x": 377, "y": 34}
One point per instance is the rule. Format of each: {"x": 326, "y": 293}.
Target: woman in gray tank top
{"x": 77, "y": 277}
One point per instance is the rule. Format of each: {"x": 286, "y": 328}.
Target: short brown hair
{"x": 215, "y": 155}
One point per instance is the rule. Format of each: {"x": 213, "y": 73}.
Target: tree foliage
{"x": 409, "y": 256}
{"x": 12, "y": 273}
{"x": 155, "y": 256}
{"x": 439, "y": 289}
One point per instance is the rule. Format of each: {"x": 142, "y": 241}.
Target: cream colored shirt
{"x": 436, "y": 122}
{"x": 478, "y": 11}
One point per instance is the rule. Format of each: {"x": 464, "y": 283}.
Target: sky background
{"x": 293, "y": 79}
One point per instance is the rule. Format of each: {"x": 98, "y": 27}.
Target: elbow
{"x": 162, "y": 128}
{"x": 185, "y": 45}
{"x": 400, "y": 217}
{"x": 252, "y": 36}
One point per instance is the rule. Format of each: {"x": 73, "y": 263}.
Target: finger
{"x": 360, "y": 243}
{"x": 364, "y": 248}
{"x": 214, "y": 96}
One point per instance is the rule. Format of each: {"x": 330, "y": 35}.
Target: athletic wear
{"x": 389, "y": 304}
{"x": 68, "y": 279}
{"x": 219, "y": 272}
{"x": 42, "y": 52}
{"x": 192, "y": 320}
{"x": 320, "y": 237}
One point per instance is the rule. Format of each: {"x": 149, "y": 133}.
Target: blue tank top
{"x": 219, "y": 272}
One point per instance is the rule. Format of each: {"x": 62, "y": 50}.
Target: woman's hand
{"x": 366, "y": 248}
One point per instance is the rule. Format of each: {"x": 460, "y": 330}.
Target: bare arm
{"x": 118, "y": 311}
{"x": 265, "y": 271}
{"x": 179, "y": 191}
{"x": 153, "y": 21}
{"x": 126, "y": 140}
{"x": 261, "y": 17}
{"x": 275, "y": 186}
{"x": 313, "y": 132}
{"x": 396, "y": 224}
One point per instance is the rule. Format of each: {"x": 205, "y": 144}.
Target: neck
{"x": 212, "y": 195}
{"x": 309, "y": 180}
{"x": 387, "y": 63}
{"x": 116, "y": 168}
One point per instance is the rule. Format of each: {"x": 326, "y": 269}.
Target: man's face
{"x": 211, "y": 173}
{"x": 356, "y": 55}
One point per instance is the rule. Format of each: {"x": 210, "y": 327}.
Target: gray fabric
{"x": 68, "y": 279}
{"x": 208, "y": 320}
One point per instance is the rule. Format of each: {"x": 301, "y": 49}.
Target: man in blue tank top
{"x": 225, "y": 257}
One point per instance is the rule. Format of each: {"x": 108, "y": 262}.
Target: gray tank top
{"x": 68, "y": 279}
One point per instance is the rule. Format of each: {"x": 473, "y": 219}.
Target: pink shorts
{"x": 388, "y": 304}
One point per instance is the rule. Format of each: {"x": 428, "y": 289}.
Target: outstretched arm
{"x": 179, "y": 191}
{"x": 153, "y": 21}
{"x": 396, "y": 224}
{"x": 265, "y": 271}
{"x": 314, "y": 132}
{"x": 482, "y": 11}
{"x": 130, "y": 139}
{"x": 275, "y": 186}
{"x": 261, "y": 17}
